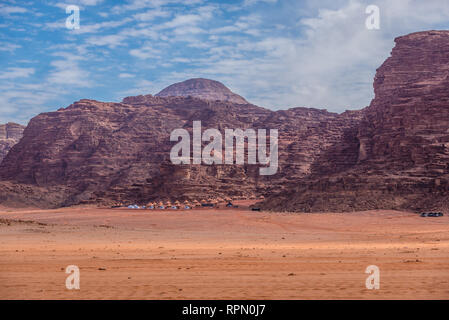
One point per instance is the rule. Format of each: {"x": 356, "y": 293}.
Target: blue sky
{"x": 276, "y": 53}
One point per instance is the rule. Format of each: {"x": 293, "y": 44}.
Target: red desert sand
{"x": 221, "y": 254}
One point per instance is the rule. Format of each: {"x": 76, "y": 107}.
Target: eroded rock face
{"x": 119, "y": 152}
{"x": 390, "y": 155}
{"x": 204, "y": 89}
{"x": 406, "y": 128}
{"x": 403, "y": 140}
{"x": 10, "y": 134}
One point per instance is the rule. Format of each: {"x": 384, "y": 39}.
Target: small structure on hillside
{"x": 207, "y": 203}
{"x": 150, "y": 205}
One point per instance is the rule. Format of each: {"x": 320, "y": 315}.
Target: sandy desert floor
{"x": 221, "y": 254}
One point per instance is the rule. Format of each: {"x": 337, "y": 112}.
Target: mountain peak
{"x": 202, "y": 88}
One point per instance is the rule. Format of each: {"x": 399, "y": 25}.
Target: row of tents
{"x": 186, "y": 205}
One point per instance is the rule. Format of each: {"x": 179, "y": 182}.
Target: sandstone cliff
{"x": 119, "y": 152}
{"x": 391, "y": 155}
{"x": 401, "y": 146}
{"x": 10, "y": 134}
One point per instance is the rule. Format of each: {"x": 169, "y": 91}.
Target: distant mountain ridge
{"x": 204, "y": 89}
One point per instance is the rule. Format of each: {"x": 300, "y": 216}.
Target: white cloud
{"x": 122, "y": 37}
{"x": 142, "y": 4}
{"x": 111, "y": 41}
{"x": 8, "y": 10}
{"x": 19, "y": 102}
{"x": 126, "y": 75}
{"x": 101, "y": 26}
{"x": 63, "y": 5}
{"x": 146, "y": 52}
{"x": 13, "y": 73}
{"x": 183, "y": 20}
{"x": 67, "y": 71}
{"x": 151, "y": 15}
{"x": 88, "y": 28}
{"x": 10, "y": 47}
{"x": 90, "y": 2}
{"x": 141, "y": 87}
{"x": 253, "y": 2}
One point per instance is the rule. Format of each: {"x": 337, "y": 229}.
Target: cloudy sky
{"x": 276, "y": 53}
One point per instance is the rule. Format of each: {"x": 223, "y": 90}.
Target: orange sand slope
{"x": 221, "y": 254}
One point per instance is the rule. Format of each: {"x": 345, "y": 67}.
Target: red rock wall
{"x": 403, "y": 154}
{"x": 111, "y": 152}
{"x": 10, "y": 134}
{"x": 393, "y": 154}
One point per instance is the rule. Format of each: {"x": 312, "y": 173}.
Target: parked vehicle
{"x": 431, "y": 214}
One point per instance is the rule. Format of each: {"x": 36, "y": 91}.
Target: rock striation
{"x": 393, "y": 154}
{"x": 401, "y": 146}
{"x": 10, "y": 134}
{"x": 119, "y": 152}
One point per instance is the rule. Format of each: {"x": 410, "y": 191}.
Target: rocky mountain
{"x": 10, "y": 134}
{"x": 401, "y": 146}
{"x": 392, "y": 154}
{"x": 202, "y": 88}
{"x": 97, "y": 152}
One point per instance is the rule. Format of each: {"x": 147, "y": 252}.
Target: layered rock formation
{"x": 204, "y": 89}
{"x": 119, "y": 152}
{"x": 10, "y": 134}
{"x": 390, "y": 155}
{"x": 401, "y": 146}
